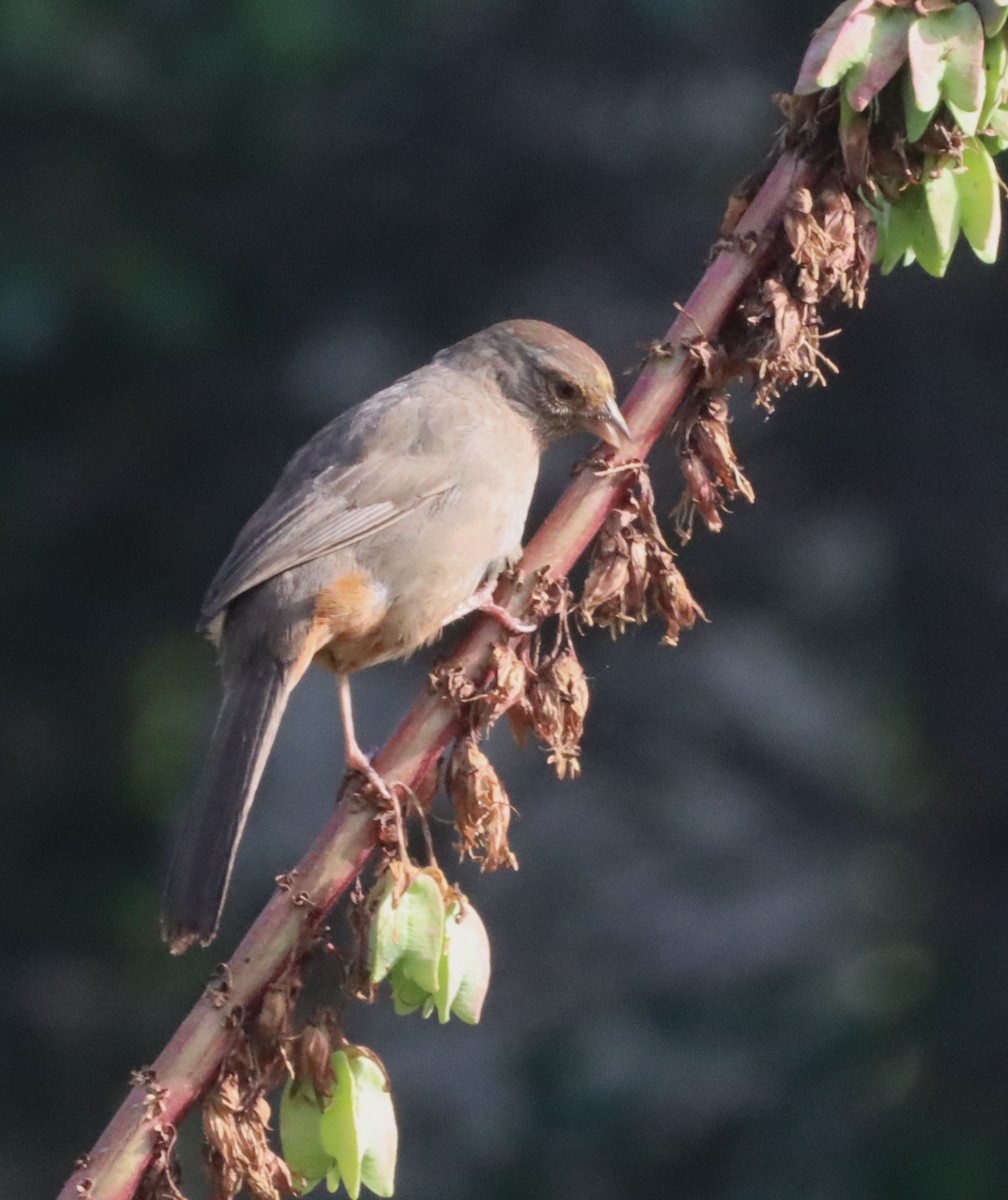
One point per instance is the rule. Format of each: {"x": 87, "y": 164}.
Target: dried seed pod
{"x": 609, "y": 569}
{"x": 312, "y": 1050}
{"x": 605, "y": 583}
{"x": 219, "y": 1130}
{"x": 710, "y": 439}
{"x": 508, "y": 679}
{"x": 559, "y": 700}
{"x": 273, "y": 1022}
{"x": 701, "y": 494}
{"x": 482, "y": 808}
{"x": 615, "y": 590}
{"x": 672, "y": 598}
{"x": 519, "y": 719}
{"x": 634, "y": 606}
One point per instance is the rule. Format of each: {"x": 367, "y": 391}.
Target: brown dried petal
{"x": 451, "y": 682}
{"x": 787, "y": 317}
{"x": 614, "y": 570}
{"x": 713, "y": 361}
{"x": 674, "y": 600}
{"x": 734, "y": 211}
{"x": 712, "y": 441}
{"x": 519, "y": 719}
{"x": 701, "y": 490}
{"x": 482, "y": 808}
{"x": 273, "y": 1021}
{"x": 508, "y": 678}
{"x": 855, "y": 148}
{"x": 235, "y": 1130}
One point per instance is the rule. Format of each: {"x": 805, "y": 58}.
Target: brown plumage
{"x": 393, "y": 520}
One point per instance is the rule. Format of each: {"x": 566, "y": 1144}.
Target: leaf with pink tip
{"x": 831, "y": 43}
{"x": 887, "y": 52}
{"x": 916, "y": 119}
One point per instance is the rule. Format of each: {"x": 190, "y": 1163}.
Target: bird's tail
{"x": 246, "y": 727}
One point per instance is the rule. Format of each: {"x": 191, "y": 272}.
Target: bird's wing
{"x": 307, "y": 518}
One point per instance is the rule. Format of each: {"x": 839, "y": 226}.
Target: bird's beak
{"x": 610, "y": 426}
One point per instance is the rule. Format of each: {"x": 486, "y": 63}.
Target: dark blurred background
{"x": 759, "y": 950}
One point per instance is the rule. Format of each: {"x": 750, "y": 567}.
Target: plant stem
{"x": 190, "y": 1061}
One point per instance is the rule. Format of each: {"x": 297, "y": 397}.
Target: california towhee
{"x": 393, "y": 520}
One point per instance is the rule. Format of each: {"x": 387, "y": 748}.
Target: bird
{"x": 392, "y": 521}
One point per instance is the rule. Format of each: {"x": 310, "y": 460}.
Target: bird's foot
{"x": 357, "y": 761}
{"x": 482, "y": 601}
{"x": 508, "y": 620}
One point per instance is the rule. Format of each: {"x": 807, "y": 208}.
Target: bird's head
{"x": 559, "y": 381}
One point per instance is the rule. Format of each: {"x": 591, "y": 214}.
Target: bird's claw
{"x": 508, "y": 620}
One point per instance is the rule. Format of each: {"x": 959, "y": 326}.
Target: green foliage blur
{"x": 759, "y": 950}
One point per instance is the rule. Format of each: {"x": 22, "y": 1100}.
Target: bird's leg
{"x": 354, "y": 756}
{"x": 482, "y": 601}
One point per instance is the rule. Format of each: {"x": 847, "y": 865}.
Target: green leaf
{"x": 937, "y": 226}
{"x": 301, "y": 1134}
{"x": 450, "y": 974}
{"x": 471, "y": 946}
{"x": 377, "y": 1123}
{"x": 998, "y": 124}
{"x": 409, "y": 930}
{"x": 407, "y": 995}
{"x": 946, "y": 62}
{"x": 894, "y": 230}
{"x": 926, "y": 49}
{"x": 917, "y": 119}
{"x": 995, "y": 64}
{"x": 465, "y": 966}
{"x": 993, "y": 14}
{"x": 980, "y": 201}
{"x": 359, "y": 1127}
{"x": 340, "y": 1135}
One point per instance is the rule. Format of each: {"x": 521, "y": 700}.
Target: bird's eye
{"x": 565, "y": 390}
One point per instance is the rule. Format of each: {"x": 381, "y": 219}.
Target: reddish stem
{"x": 190, "y": 1061}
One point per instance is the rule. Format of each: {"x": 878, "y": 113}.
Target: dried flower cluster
{"x": 482, "y": 807}
{"x": 774, "y": 340}
{"x": 235, "y": 1124}
{"x": 236, "y": 1114}
{"x": 707, "y": 458}
{"x": 632, "y": 571}
{"x": 831, "y": 243}
{"x": 543, "y": 690}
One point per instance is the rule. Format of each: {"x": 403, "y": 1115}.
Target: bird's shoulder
{"x": 402, "y": 448}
